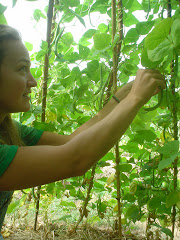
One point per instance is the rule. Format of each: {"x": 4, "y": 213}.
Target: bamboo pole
{"x": 174, "y": 111}
{"x": 44, "y": 94}
{"x": 46, "y": 60}
{"x": 115, "y": 47}
{"x": 116, "y": 52}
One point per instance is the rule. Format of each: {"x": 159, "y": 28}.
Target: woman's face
{"x": 15, "y": 78}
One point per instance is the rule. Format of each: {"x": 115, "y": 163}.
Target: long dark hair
{"x": 8, "y": 131}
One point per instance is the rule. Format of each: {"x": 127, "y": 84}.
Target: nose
{"x": 31, "y": 82}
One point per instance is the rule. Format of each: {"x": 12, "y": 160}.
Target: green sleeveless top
{"x": 29, "y": 135}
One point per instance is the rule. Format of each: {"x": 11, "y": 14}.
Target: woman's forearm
{"x": 97, "y": 140}
{"x": 120, "y": 94}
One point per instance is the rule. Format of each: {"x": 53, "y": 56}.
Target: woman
{"x": 30, "y": 157}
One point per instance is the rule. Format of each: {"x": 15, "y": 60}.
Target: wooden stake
{"x": 44, "y": 95}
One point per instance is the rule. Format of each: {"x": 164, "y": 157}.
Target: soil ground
{"x": 83, "y": 232}
{"x": 64, "y": 233}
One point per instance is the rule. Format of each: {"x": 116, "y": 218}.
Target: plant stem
{"x": 118, "y": 177}
{"x": 84, "y": 211}
{"x": 37, "y": 207}
{"x": 44, "y": 95}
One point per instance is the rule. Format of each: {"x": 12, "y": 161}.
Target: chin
{"x": 26, "y": 109}
{"x": 23, "y": 109}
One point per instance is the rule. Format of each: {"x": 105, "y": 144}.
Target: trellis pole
{"x": 116, "y": 53}
{"x": 174, "y": 111}
{"x": 44, "y": 94}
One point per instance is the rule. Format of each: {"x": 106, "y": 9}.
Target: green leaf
{"x": 40, "y": 55}
{"x": 158, "y": 34}
{"x": 79, "y": 17}
{"x": 146, "y": 135}
{"x": 125, "y": 167}
{"x": 71, "y": 3}
{"x": 67, "y": 39}
{"x": 131, "y": 36}
{"x": 14, "y": 3}
{"x": 38, "y": 14}
{"x": 100, "y": 6}
{"x": 175, "y": 32}
{"x": 154, "y": 203}
{"x": 131, "y": 147}
{"x": 102, "y": 206}
{"x": 135, "y": 6}
{"x": 50, "y": 188}
{"x": 68, "y": 204}
{"x": 129, "y": 19}
{"x": 2, "y": 8}
{"x": 172, "y": 199}
{"x": 167, "y": 162}
{"x": 69, "y": 80}
{"x": 167, "y": 231}
{"x": 108, "y": 156}
{"x": 103, "y": 28}
{"x": 12, "y": 206}
{"x": 146, "y": 62}
{"x": 127, "y": 3}
{"x": 133, "y": 188}
{"x": 169, "y": 148}
{"x": 133, "y": 213}
{"x": 44, "y": 45}
{"x": 93, "y": 65}
{"x": 44, "y": 126}
{"x": 101, "y": 40}
{"x": 103, "y": 164}
{"x": 144, "y": 27}
{"x": 36, "y": 72}
{"x": 72, "y": 57}
{"x": 163, "y": 49}
{"x": 98, "y": 185}
{"x": 3, "y": 19}
{"x": 30, "y": 119}
{"x": 146, "y": 5}
{"x": 29, "y": 46}
{"x": 89, "y": 33}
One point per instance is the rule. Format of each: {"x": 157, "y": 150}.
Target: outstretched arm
{"x": 49, "y": 138}
{"x": 39, "y": 165}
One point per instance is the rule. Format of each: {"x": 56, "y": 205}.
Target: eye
{"x": 23, "y": 68}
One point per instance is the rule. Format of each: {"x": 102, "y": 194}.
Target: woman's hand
{"x": 147, "y": 83}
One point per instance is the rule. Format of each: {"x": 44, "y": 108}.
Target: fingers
{"x": 150, "y": 70}
{"x": 161, "y": 83}
{"x": 148, "y": 82}
{"x": 153, "y": 75}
